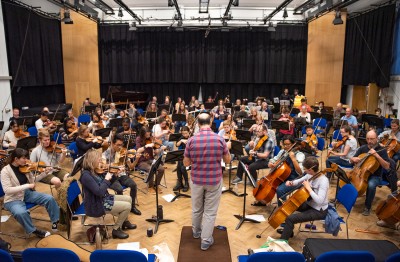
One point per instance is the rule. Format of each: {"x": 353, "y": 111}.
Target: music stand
{"x": 373, "y": 120}
{"x": 25, "y": 120}
{"x": 284, "y": 102}
{"x": 279, "y": 125}
{"x": 243, "y": 217}
{"x": 90, "y": 109}
{"x": 237, "y": 150}
{"x": 173, "y": 156}
{"x": 243, "y": 135}
{"x": 328, "y": 117}
{"x": 228, "y": 105}
{"x": 295, "y": 110}
{"x": 362, "y": 141}
{"x": 178, "y": 118}
{"x": 77, "y": 165}
{"x": 247, "y": 123}
{"x": 236, "y": 108}
{"x": 174, "y": 137}
{"x": 156, "y": 219}
{"x": 103, "y": 132}
{"x": 163, "y": 106}
{"x": 27, "y": 142}
{"x": 341, "y": 175}
{"x": 59, "y": 116}
{"x": 314, "y": 115}
{"x": 209, "y": 105}
{"x": 151, "y": 114}
{"x": 115, "y": 122}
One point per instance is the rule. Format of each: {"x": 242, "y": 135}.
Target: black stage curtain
{"x": 162, "y": 58}
{"x": 32, "y": 96}
{"x": 360, "y": 67}
{"x": 42, "y": 65}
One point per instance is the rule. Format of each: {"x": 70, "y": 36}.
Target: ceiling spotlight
{"x": 67, "y": 18}
{"x": 224, "y": 23}
{"x": 133, "y": 27}
{"x": 179, "y": 27}
{"x": 235, "y": 3}
{"x": 271, "y": 27}
{"x": 338, "y": 18}
{"x": 285, "y": 14}
{"x": 170, "y": 3}
{"x": 120, "y": 14}
{"x": 180, "y": 23}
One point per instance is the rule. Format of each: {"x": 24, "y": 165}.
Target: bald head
{"x": 372, "y": 138}
{"x": 204, "y": 119}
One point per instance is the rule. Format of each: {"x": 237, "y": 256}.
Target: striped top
{"x": 206, "y": 150}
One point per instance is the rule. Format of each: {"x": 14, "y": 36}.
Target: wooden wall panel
{"x": 81, "y": 61}
{"x": 325, "y": 54}
{"x": 359, "y": 98}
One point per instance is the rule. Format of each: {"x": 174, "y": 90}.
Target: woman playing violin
{"x": 161, "y": 132}
{"x": 145, "y": 146}
{"x": 102, "y": 116}
{"x": 128, "y": 134}
{"x": 287, "y": 118}
{"x": 220, "y": 113}
{"x": 50, "y": 158}
{"x": 69, "y": 132}
{"x": 71, "y": 116}
{"x": 347, "y": 146}
{"x": 14, "y": 134}
{"x": 96, "y": 123}
{"x": 83, "y": 142}
{"x": 181, "y": 110}
{"x": 227, "y": 132}
{"x": 314, "y": 209}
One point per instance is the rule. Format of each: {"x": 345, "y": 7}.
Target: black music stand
{"x": 115, "y": 122}
{"x": 247, "y": 123}
{"x": 328, "y": 117}
{"x": 373, "y": 120}
{"x": 243, "y": 135}
{"x": 163, "y": 106}
{"x": 26, "y": 121}
{"x": 295, "y": 110}
{"x": 242, "y": 217}
{"x": 228, "y": 105}
{"x": 279, "y": 125}
{"x": 103, "y": 132}
{"x": 314, "y": 115}
{"x": 174, "y": 137}
{"x": 27, "y": 142}
{"x": 90, "y": 109}
{"x": 237, "y": 150}
{"x": 152, "y": 175}
{"x": 77, "y": 166}
{"x": 178, "y": 118}
{"x": 209, "y": 105}
{"x": 151, "y": 114}
{"x": 341, "y": 175}
{"x": 59, "y": 116}
{"x": 236, "y": 108}
{"x": 174, "y": 156}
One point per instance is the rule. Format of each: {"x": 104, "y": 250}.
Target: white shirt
{"x": 9, "y": 138}
{"x": 39, "y": 124}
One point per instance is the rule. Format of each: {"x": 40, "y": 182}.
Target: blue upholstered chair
{"x": 49, "y": 255}
{"x": 346, "y": 256}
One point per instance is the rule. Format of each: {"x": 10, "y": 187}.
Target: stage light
{"x": 133, "y": 27}
{"x": 120, "y": 14}
{"x": 338, "y": 18}
{"x": 67, "y": 18}
{"x": 271, "y": 27}
{"x": 285, "y": 14}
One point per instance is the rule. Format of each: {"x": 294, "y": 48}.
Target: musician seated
{"x": 102, "y": 116}
{"x": 69, "y": 131}
{"x": 267, "y": 110}
{"x": 382, "y": 223}
{"x": 96, "y": 123}
{"x": 98, "y": 201}
{"x": 311, "y": 139}
{"x": 15, "y": 115}
{"x": 304, "y": 103}
{"x": 181, "y": 110}
{"x": 220, "y": 113}
{"x": 393, "y": 133}
{"x": 132, "y": 111}
{"x": 45, "y": 153}
{"x": 321, "y": 108}
{"x": 316, "y": 208}
{"x": 227, "y": 132}
{"x": 238, "y": 115}
{"x": 195, "y": 106}
{"x": 294, "y": 161}
{"x": 210, "y": 100}
{"x": 19, "y": 188}
{"x": 351, "y": 120}
{"x": 262, "y": 149}
{"x": 304, "y": 114}
{"x": 183, "y": 178}
{"x": 10, "y": 137}
{"x": 112, "y": 156}
{"x": 112, "y": 111}
{"x": 253, "y": 113}
{"x": 144, "y": 147}
{"x": 85, "y": 141}
{"x": 347, "y": 150}
{"x": 128, "y": 133}
{"x": 286, "y": 118}
{"x": 44, "y": 123}
{"x": 372, "y": 148}
{"x": 162, "y": 131}
{"x": 122, "y": 114}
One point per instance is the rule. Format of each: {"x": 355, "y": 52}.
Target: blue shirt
{"x": 352, "y": 120}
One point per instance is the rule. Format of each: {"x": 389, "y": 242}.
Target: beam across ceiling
{"x": 279, "y": 8}
{"x": 128, "y": 10}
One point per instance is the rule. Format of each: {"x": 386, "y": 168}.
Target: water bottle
{"x": 98, "y": 239}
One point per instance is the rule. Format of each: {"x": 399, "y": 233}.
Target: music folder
{"x": 179, "y": 117}
{"x": 243, "y": 135}
{"x": 174, "y": 137}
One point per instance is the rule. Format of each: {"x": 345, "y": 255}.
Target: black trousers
{"x": 307, "y": 213}
{"x": 128, "y": 182}
{"x": 253, "y": 166}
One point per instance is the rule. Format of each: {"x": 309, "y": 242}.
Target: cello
{"x": 389, "y": 210}
{"x": 295, "y": 201}
{"x": 392, "y": 145}
{"x": 267, "y": 185}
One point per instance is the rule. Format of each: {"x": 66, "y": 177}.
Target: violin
{"x": 20, "y": 134}
{"x": 58, "y": 148}
{"x": 35, "y": 166}
{"x": 91, "y": 138}
{"x": 339, "y": 144}
{"x": 389, "y": 210}
{"x": 107, "y": 168}
{"x": 73, "y": 128}
{"x": 295, "y": 200}
{"x": 392, "y": 145}
{"x": 259, "y": 145}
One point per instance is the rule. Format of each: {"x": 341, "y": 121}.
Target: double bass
{"x": 295, "y": 201}
{"x": 389, "y": 210}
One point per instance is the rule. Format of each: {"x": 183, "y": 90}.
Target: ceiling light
{"x": 235, "y": 3}
{"x": 203, "y": 6}
{"x": 67, "y": 18}
{"x": 133, "y": 27}
{"x": 338, "y": 18}
{"x": 224, "y": 23}
{"x": 285, "y": 14}
{"x": 271, "y": 27}
{"x": 120, "y": 14}
{"x": 170, "y": 3}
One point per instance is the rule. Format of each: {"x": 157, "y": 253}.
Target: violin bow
{"x": 58, "y": 107}
{"x": 37, "y": 167}
{"x": 54, "y": 149}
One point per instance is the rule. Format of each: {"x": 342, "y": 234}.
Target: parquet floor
{"x": 180, "y": 211}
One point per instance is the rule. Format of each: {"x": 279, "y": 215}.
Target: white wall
{"x": 5, "y": 97}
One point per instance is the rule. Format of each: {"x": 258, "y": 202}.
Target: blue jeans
{"x": 283, "y": 189}
{"x": 373, "y": 182}
{"x": 169, "y": 145}
{"x": 19, "y": 211}
{"x": 396, "y": 157}
{"x": 336, "y": 160}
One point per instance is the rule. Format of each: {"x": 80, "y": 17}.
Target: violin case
{"x": 381, "y": 249}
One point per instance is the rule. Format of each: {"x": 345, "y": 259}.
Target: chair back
{"x": 346, "y": 256}
{"x": 320, "y": 122}
{"x": 73, "y": 148}
{"x": 57, "y": 138}
{"x": 394, "y": 258}
{"x": 83, "y": 119}
{"x": 321, "y": 143}
{"x": 73, "y": 192}
{"x": 5, "y": 256}
{"x": 120, "y": 255}
{"x": 32, "y": 131}
{"x": 276, "y": 150}
{"x": 49, "y": 255}
{"x": 347, "y": 196}
{"x": 337, "y": 135}
{"x": 1, "y": 190}
{"x": 276, "y": 257}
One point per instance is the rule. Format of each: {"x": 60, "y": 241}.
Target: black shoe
{"x": 119, "y": 234}
{"x": 41, "y": 233}
{"x": 177, "y": 187}
{"x": 128, "y": 225}
{"x": 280, "y": 231}
{"x": 136, "y": 211}
{"x": 185, "y": 188}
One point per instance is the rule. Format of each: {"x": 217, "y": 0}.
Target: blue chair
{"x": 49, "y": 255}
{"x": 120, "y": 255}
{"x": 57, "y": 138}
{"x": 74, "y": 205}
{"x": 32, "y": 131}
{"x": 74, "y": 150}
{"x": 387, "y": 122}
{"x": 347, "y": 196}
{"x": 336, "y": 136}
{"x": 140, "y": 111}
{"x": 394, "y": 258}
{"x": 303, "y": 130}
{"x": 321, "y": 143}
{"x": 273, "y": 257}
{"x": 319, "y": 125}
{"x": 83, "y": 119}
{"x": 276, "y": 150}
{"x": 5, "y": 256}
{"x": 346, "y": 256}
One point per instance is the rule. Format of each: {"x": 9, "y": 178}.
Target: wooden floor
{"x": 180, "y": 211}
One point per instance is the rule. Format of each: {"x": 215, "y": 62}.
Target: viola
{"x": 35, "y": 166}
{"x": 339, "y": 144}
{"x": 389, "y": 210}
{"x": 73, "y": 128}
{"x": 58, "y": 148}
{"x": 20, "y": 134}
{"x": 295, "y": 201}
{"x": 259, "y": 145}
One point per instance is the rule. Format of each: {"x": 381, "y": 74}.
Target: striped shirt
{"x": 206, "y": 150}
